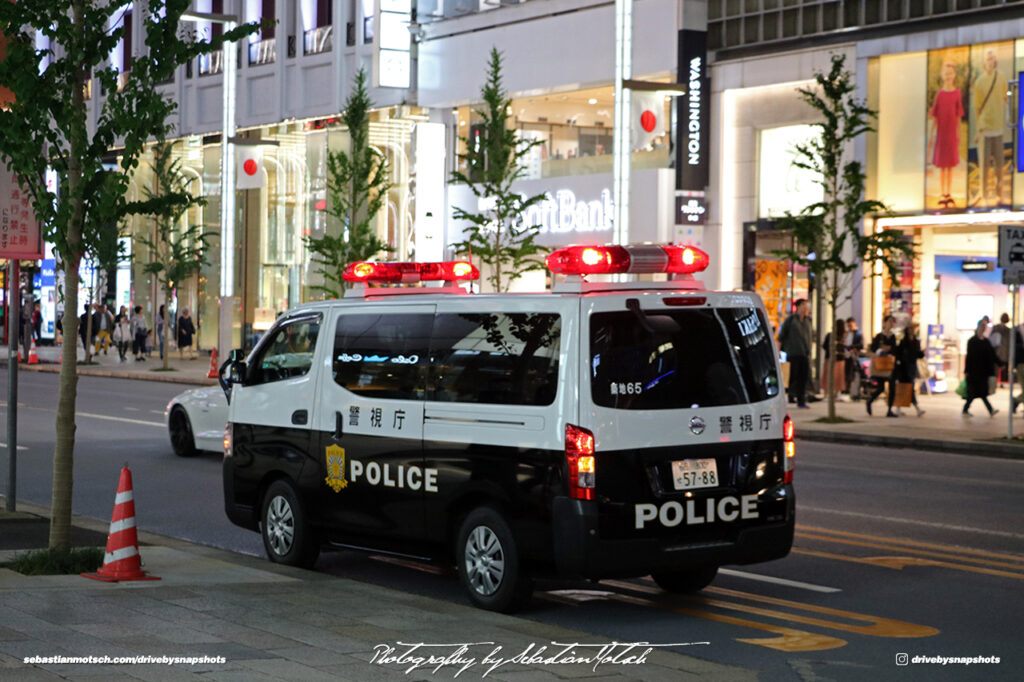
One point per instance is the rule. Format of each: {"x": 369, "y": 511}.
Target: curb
{"x": 89, "y": 371}
{"x": 960, "y": 447}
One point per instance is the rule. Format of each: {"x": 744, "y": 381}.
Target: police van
{"x": 603, "y": 429}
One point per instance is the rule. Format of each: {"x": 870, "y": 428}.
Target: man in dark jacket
{"x": 795, "y": 340}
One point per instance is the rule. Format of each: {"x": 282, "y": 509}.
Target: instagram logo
{"x": 902, "y": 659}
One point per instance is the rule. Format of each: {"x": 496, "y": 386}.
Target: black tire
{"x": 287, "y": 537}
{"x": 685, "y": 581}
{"x": 489, "y": 563}
{"x": 182, "y": 440}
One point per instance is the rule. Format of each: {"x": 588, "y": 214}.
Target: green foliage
{"x": 357, "y": 187}
{"x": 497, "y": 235}
{"x": 47, "y": 124}
{"x": 58, "y": 561}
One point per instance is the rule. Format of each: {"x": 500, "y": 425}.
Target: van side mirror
{"x": 232, "y": 372}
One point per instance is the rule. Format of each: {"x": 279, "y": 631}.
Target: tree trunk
{"x": 64, "y": 446}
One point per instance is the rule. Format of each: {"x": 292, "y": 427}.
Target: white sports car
{"x": 196, "y": 420}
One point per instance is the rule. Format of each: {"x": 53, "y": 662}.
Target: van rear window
{"x": 675, "y": 359}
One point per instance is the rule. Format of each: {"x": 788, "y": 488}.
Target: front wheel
{"x": 489, "y": 563}
{"x": 286, "y": 535}
{"x": 182, "y": 440}
{"x": 685, "y": 581}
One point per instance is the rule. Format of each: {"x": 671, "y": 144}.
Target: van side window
{"x": 382, "y": 355}
{"x": 499, "y": 358}
{"x": 287, "y": 354}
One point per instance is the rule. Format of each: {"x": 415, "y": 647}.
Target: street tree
{"x": 176, "y": 249}
{"x": 492, "y": 161}
{"x": 829, "y": 237}
{"x": 357, "y": 187}
{"x": 47, "y": 124}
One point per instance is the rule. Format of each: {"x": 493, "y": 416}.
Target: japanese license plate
{"x": 690, "y": 474}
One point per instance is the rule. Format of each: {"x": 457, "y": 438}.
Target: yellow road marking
{"x": 788, "y": 639}
{"x": 876, "y": 626}
{"x": 913, "y": 543}
{"x": 919, "y": 552}
{"x": 899, "y": 562}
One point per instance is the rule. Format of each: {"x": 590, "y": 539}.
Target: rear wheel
{"x": 686, "y": 581}
{"x": 286, "y": 535}
{"x": 182, "y": 440}
{"x": 489, "y": 563}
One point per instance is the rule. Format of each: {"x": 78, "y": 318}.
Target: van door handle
{"x": 338, "y": 426}
{"x": 300, "y": 417}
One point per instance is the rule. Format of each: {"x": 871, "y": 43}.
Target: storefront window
{"x": 574, "y": 131}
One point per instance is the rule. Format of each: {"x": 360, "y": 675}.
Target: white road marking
{"x": 778, "y": 581}
{"x": 132, "y": 409}
{"x": 160, "y": 412}
{"x": 914, "y": 522}
{"x": 119, "y": 419}
{"x": 20, "y": 447}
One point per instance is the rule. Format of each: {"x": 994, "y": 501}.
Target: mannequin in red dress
{"x": 946, "y": 113}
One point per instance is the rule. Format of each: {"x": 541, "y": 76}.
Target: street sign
{"x": 1011, "y": 248}
{"x": 1013, "y": 277}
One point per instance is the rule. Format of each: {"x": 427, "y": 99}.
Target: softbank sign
{"x": 563, "y": 212}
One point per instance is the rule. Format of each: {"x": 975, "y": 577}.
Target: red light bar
{"x": 407, "y": 273}
{"x": 601, "y": 260}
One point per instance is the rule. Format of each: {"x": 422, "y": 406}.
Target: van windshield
{"x": 675, "y": 359}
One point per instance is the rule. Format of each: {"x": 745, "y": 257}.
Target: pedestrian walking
{"x": 1000, "y": 340}
{"x": 102, "y": 327}
{"x": 37, "y": 323}
{"x": 854, "y": 348}
{"x": 883, "y": 346}
{"x": 160, "y": 321}
{"x": 185, "y": 332}
{"x": 908, "y": 352}
{"x": 122, "y": 336}
{"x": 835, "y": 356}
{"x": 795, "y": 340}
{"x": 139, "y": 334}
{"x": 979, "y": 365}
{"x": 83, "y": 328}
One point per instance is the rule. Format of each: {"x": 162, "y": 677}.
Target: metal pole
{"x": 13, "y": 318}
{"x": 621, "y": 131}
{"x": 227, "y": 200}
{"x": 1013, "y": 359}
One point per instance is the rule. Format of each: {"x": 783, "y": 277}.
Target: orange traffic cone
{"x": 121, "y": 561}
{"x": 33, "y": 359}
{"x": 213, "y": 373}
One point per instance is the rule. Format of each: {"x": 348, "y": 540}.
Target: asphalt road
{"x": 897, "y": 551}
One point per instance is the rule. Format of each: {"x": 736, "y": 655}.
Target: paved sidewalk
{"x": 272, "y": 622}
{"x": 941, "y": 428}
{"x": 182, "y": 371}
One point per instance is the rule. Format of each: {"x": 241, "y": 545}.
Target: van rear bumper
{"x": 581, "y": 553}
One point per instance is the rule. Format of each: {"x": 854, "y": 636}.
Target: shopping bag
{"x": 882, "y": 366}
{"x": 992, "y": 381}
{"x": 961, "y": 388}
{"x": 904, "y": 392}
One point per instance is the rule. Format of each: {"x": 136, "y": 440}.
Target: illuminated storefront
{"x": 273, "y": 271}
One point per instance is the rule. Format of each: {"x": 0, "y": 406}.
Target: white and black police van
{"x": 604, "y": 429}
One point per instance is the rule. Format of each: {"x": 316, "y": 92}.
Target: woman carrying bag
{"x": 835, "y": 341}
{"x": 908, "y": 352}
{"x": 884, "y": 362}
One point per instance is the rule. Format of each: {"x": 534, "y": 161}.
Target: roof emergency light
{"x": 603, "y": 260}
{"x": 408, "y": 273}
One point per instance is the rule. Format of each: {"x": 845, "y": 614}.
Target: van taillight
{"x": 579, "y": 454}
{"x": 789, "y": 446}
{"x": 228, "y": 441}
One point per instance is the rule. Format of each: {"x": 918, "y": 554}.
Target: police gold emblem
{"x": 336, "y": 468}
